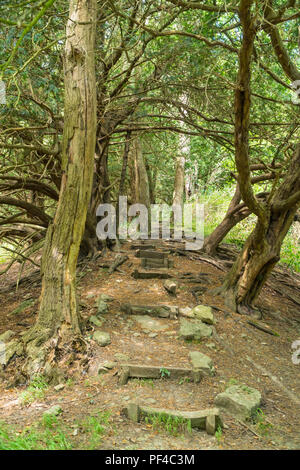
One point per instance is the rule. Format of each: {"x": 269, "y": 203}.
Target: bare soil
{"x": 239, "y": 348}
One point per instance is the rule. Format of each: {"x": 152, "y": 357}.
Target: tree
{"x": 274, "y": 217}
{"x": 58, "y": 313}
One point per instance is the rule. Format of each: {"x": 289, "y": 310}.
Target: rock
{"x": 143, "y": 274}
{"x": 193, "y": 329}
{"x": 152, "y": 335}
{"x": 239, "y": 400}
{"x": 170, "y": 286}
{"x": 211, "y": 345}
{"x": 210, "y": 424}
{"x": 149, "y": 323}
{"x": 186, "y": 312}
{"x": 6, "y": 336}
{"x": 121, "y": 357}
{"x": 203, "y": 313}
{"x": 102, "y": 338}
{"x": 101, "y": 307}
{"x": 202, "y": 362}
{"x": 106, "y": 298}
{"x": 59, "y": 387}
{"x": 55, "y": 410}
{"x": 109, "y": 364}
{"x": 95, "y": 321}
{"x": 151, "y": 401}
{"x": 162, "y": 311}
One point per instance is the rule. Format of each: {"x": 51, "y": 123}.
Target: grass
{"x": 50, "y": 433}
{"x": 143, "y": 382}
{"x": 35, "y": 391}
{"x": 44, "y": 435}
{"x": 215, "y": 206}
{"x": 262, "y": 424}
{"x": 173, "y": 425}
{"x": 219, "y": 434}
{"x": 96, "y": 427}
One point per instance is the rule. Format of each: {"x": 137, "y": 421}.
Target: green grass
{"x": 44, "y": 435}
{"x": 51, "y": 433}
{"x": 35, "y": 391}
{"x": 215, "y": 206}
{"x": 96, "y": 427}
{"x": 173, "y": 425}
{"x": 262, "y": 424}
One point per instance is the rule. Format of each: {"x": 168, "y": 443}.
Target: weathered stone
{"x": 106, "y": 298}
{"x": 6, "y": 336}
{"x": 157, "y": 263}
{"x": 102, "y": 338}
{"x": 149, "y": 323}
{"x": 59, "y": 387}
{"x": 121, "y": 357}
{"x": 54, "y": 411}
{"x": 202, "y": 362}
{"x": 141, "y": 274}
{"x": 142, "y": 246}
{"x": 95, "y": 321}
{"x": 196, "y": 419}
{"x": 150, "y": 254}
{"x": 109, "y": 364}
{"x": 210, "y": 424}
{"x": 124, "y": 376}
{"x": 186, "y": 312}
{"x": 193, "y": 329}
{"x": 170, "y": 286}
{"x": 203, "y": 313}
{"x": 163, "y": 311}
{"x": 157, "y": 372}
{"x": 239, "y": 400}
{"x": 101, "y": 307}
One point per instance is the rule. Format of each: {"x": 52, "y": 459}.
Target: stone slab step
{"x": 143, "y": 274}
{"x": 208, "y": 419}
{"x": 162, "y": 311}
{"x": 157, "y": 372}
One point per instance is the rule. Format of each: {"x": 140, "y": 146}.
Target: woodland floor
{"x": 86, "y": 395}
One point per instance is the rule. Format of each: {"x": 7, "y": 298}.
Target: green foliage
{"x": 47, "y": 435}
{"x": 216, "y": 204}
{"x": 164, "y": 372}
{"x": 261, "y": 422}
{"x": 219, "y": 434}
{"x": 35, "y": 391}
{"x": 95, "y": 427}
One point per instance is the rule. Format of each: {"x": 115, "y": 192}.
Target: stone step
{"x": 162, "y": 311}
{"x": 208, "y": 419}
{"x": 151, "y": 254}
{"x": 157, "y": 372}
{"x": 143, "y": 274}
{"x": 157, "y": 263}
{"x": 142, "y": 246}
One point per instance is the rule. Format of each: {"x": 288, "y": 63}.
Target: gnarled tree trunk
{"x": 261, "y": 252}
{"x": 58, "y": 306}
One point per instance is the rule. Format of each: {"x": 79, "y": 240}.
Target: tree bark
{"x": 261, "y": 252}
{"x": 58, "y": 306}
{"x": 140, "y": 192}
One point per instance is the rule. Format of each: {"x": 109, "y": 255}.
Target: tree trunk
{"x": 261, "y": 252}
{"x": 140, "y": 192}
{"x": 58, "y": 306}
{"x": 212, "y": 242}
{"x": 179, "y": 181}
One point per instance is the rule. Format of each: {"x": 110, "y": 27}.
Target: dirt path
{"x": 235, "y": 341}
